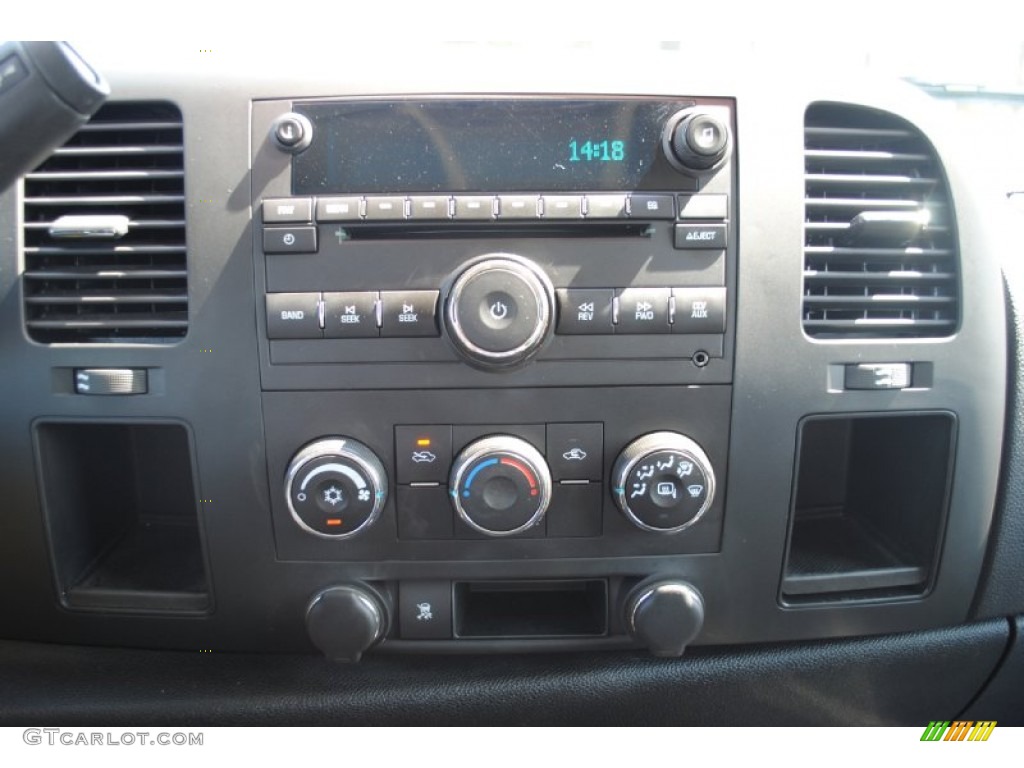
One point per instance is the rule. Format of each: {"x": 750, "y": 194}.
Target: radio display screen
{"x": 478, "y": 145}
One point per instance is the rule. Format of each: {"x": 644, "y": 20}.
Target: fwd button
{"x": 643, "y": 310}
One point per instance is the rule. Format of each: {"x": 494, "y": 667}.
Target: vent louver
{"x": 126, "y": 165}
{"x": 880, "y": 254}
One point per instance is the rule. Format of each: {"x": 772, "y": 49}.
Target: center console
{"x": 496, "y": 353}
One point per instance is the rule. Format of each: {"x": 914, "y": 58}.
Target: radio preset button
{"x": 585, "y": 310}
{"x": 427, "y": 208}
{"x": 643, "y": 310}
{"x": 699, "y": 310}
{"x": 408, "y": 313}
{"x": 289, "y": 239}
{"x": 350, "y": 314}
{"x": 702, "y": 236}
{"x": 337, "y": 208}
{"x": 705, "y": 206}
{"x": 476, "y": 207}
{"x": 287, "y": 209}
{"x": 652, "y": 207}
{"x": 293, "y": 316}
{"x": 563, "y": 206}
{"x": 385, "y": 208}
{"x": 606, "y": 206}
{"x": 518, "y": 206}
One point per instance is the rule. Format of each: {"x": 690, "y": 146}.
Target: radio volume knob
{"x": 498, "y": 311}
{"x": 663, "y": 482}
{"x": 500, "y": 485}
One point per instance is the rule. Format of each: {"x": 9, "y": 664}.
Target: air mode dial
{"x": 335, "y": 488}
{"x": 500, "y": 485}
{"x": 663, "y": 482}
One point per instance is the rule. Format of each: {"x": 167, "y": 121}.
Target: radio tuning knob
{"x": 665, "y": 615}
{"x": 500, "y": 485}
{"x": 696, "y": 140}
{"x": 499, "y": 310}
{"x": 335, "y": 488}
{"x": 663, "y": 482}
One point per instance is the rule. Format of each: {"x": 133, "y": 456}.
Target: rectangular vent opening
{"x": 880, "y": 245}
{"x": 127, "y": 161}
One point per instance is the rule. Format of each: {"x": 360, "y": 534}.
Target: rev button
{"x": 584, "y": 310}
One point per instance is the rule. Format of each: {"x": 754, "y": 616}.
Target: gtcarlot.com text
{"x": 69, "y": 738}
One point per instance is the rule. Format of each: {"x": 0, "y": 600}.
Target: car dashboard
{"x": 662, "y": 394}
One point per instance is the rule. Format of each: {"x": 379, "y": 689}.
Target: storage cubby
{"x": 869, "y": 505}
{"x": 121, "y": 510}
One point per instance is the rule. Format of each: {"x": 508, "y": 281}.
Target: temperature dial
{"x": 335, "y": 488}
{"x": 500, "y": 485}
{"x": 663, "y": 482}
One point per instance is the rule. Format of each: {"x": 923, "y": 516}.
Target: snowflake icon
{"x": 333, "y": 495}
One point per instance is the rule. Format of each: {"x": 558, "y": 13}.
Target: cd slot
{"x": 449, "y": 230}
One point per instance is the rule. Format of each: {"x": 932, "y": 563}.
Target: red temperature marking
{"x": 525, "y": 470}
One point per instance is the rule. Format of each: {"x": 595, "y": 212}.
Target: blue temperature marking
{"x": 477, "y": 468}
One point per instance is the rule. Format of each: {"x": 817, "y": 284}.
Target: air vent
{"x": 105, "y": 231}
{"x": 880, "y": 254}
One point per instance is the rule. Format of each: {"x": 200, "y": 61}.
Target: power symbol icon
{"x": 499, "y": 310}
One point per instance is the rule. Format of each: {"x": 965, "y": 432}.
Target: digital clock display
{"x": 484, "y": 145}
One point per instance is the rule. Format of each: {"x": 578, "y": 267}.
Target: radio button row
{"x": 289, "y": 239}
{"x": 518, "y": 206}
{"x": 293, "y": 316}
{"x": 429, "y": 208}
{"x": 585, "y": 310}
{"x": 284, "y": 210}
{"x": 385, "y": 208}
{"x": 698, "y": 310}
{"x": 475, "y": 207}
{"x": 338, "y": 208}
{"x": 409, "y": 313}
{"x": 652, "y": 207}
{"x": 350, "y": 314}
{"x": 563, "y": 206}
{"x": 643, "y": 310}
{"x": 606, "y": 206}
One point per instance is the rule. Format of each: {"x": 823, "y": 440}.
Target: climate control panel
{"x": 635, "y": 475}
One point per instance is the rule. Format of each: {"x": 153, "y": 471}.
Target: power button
{"x": 499, "y": 311}
{"x": 292, "y": 132}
